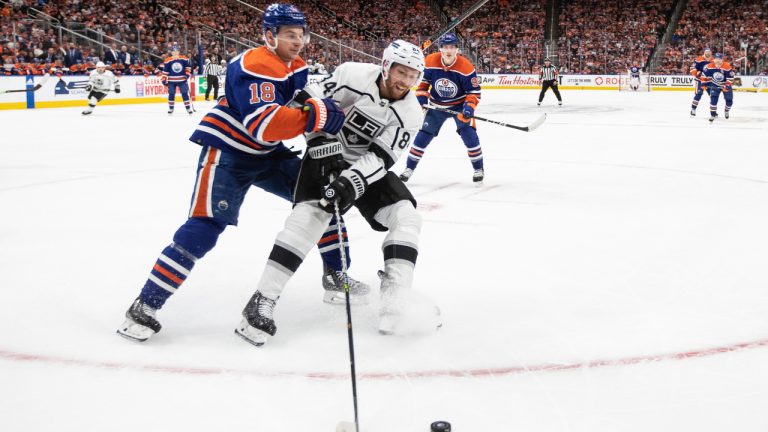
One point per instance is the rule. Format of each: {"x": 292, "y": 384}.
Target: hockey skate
{"x": 406, "y": 175}
{"x": 478, "y": 176}
{"x": 334, "y": 289}
{"x": 140, "y": 322}
{"x": 404, "y": 311}
{"x": 538, "y": 103}
{"x": 712, "y": 117}
{"x": 190, "y": 112}
{"x": 693, "y": 112}
{"x": 87, "y": 112}
{"x": 170, "y": 111}
{"x": 559, "y": 103}
{"x": 727, "y": 115}
{"x": 258, "y": 323}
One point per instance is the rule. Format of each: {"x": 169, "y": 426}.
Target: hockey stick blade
{"x": 528, "y": 128}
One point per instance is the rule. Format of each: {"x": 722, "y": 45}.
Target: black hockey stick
{"x": 451, "y": 25}
{"x": 37, "y": 86}
{"x": 345, "y": 426}
{"x": 531, "y": 127}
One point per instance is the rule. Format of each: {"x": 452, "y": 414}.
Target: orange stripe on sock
{"x": 168, "y": 274}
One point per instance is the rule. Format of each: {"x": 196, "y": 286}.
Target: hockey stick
{"x": 346, "y": 426}
{"x": 531, "y": 127}
{"x": 451, "y": 25}
{"x": 33, "y": 89}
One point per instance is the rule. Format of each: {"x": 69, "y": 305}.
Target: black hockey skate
{"x": 170, "y": 111}
{"x": 693, "y": 112}
{"x": 478, "y": 176}
{"x": 334, "y": 289}
{"x": 258, "y": 322}
{"x": 406, "y": 175}
{"x": 140, "y": 322}
{"x": 727, "y": 115}
{"x": 712, "y": 117}
{"x": 87, "y": 112}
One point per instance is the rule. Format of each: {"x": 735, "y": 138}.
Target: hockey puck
{"x": 440, "y": 426}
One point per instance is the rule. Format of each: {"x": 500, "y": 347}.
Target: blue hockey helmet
{"x": 719, "y": 56}
{"x": 448, "y": 39}
{"x": 283, "y": 14}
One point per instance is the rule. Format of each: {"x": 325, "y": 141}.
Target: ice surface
{"x": 610, "y": 276}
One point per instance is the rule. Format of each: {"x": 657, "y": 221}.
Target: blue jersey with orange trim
{"x": 698, "y": 66}
{"x": 176, "y": 69}
{"x": 449, "y": 85}
{"x": 634, "y": 72}
{"x": 718, "y": 76}
{"x": 253, "y": 117}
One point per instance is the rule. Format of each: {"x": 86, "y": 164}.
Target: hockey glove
{"x": 467, "y": 111}
{"x": 88, "y": 88}
{"x": 117, "y": 88}
{"x": 328, "y": 154}
{"x": 345, "y": 190}
{"x": 324, "y": 116}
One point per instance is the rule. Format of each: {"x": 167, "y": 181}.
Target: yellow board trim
{"x": 13, "y": 105}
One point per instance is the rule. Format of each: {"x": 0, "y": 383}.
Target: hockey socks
{"x": 329, "y": 246}
{"x": 472, "y": 142}
{"x": 417, "y": 149}
{"x": 170, "y": 270}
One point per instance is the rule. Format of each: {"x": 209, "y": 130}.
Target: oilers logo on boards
{"x": 446, "y": 88}
{"x": 176, "y": 67}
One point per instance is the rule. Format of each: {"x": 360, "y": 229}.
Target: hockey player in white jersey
{"x": 100, "y": 83}
{"x": 352, "y": 168}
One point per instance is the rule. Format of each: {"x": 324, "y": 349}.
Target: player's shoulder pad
{"x": 263, "y": 63}
{"x": 433, "y": 61}
{"x": 725, "y": 65}
{"x": 463, "y": 66}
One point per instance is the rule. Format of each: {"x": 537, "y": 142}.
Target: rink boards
{"x": 69, "y": 91}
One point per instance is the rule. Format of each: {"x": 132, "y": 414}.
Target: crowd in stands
{"x": 598, "y": 37}
{"x": 505, "y": 36}
{"x": 721, "y": 27}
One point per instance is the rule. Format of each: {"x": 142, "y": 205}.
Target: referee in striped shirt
{"x": 212, "y": 71}
{"x": 548, "y": 77}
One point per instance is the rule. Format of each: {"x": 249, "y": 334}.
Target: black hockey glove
{"x": 88, "y": 88}
{"x": 345, "y": 190}
{"x": 117, "y": 89}
{"x": 327, "y": 152}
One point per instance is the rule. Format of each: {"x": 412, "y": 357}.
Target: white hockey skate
{"x": 258, "y": 323}
{"x": 404, "y": 312}
{"x": 334, "y": 289}
{"x": 140, "y": 322}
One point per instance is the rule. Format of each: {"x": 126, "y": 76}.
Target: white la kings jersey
{"x": 102, "y": 82}
{"x": 376, "y": 131}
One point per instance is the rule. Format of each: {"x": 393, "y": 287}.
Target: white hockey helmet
{"x": 100, "y": 65}
{"x": 404, "y": 53}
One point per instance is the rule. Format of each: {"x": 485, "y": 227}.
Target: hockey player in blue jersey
{"x": 176, "y": 73}
{"x": 450, "y": 81}
{"x": 241, "y": 139}
{"x": 696, "y": 70}
{"x": 718, "y": 77}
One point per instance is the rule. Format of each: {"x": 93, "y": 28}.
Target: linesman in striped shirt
{"x": 212, "y": 72}
{"x": 548, "y": 77}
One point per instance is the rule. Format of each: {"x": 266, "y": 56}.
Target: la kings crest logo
{"x": 360, "y": 129}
